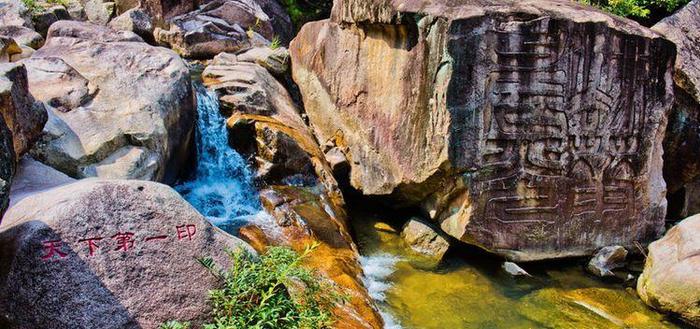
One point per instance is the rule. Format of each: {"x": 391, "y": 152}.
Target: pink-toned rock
{"x": 532, "y": 129}
{"x": 70, "y": 259}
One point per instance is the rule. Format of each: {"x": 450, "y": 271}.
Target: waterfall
{"x": 221, "y": 187}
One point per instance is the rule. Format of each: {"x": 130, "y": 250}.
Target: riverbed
{"x": 470, "y": 290}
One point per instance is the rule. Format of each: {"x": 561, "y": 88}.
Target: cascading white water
{"x": 377, "y": 268}
{"x": 221, "y": 187}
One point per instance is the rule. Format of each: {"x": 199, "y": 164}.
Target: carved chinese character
{"x": 124, "y": 241}
{"x": 92, "y": 244}
{"x": 53, "y": 249}
{"x": 186, "y": 231}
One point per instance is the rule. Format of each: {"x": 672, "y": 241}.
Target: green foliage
{"x": 637, "y": 8}
{"x": 302, "y": 11}
{"x": 275, "y": 43}
{"x": 175, "y": 325}
{"x": 32, "y": 5}
{"x": 268, "y": 292}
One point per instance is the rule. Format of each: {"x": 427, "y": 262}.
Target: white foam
{"x": 377, "y": 270}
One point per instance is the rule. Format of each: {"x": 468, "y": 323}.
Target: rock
{"x": 485, "y": 115}
{"x": 34, "y": 177}
{"x": 265, "y": 126}
{"x": 218, "y": 26}
{"x": 99, "y": 12}
{"x": 15, "y": 13}
{"x": 7, "y": 165}
{"x": 44, "y": 17}
{"x": 682, "y": 142}
{"x": 424, "y": 239}
{"x": 159, "y": 10}
{"x": 670, "y": 281}
{"x": 302, "y": 217}
{"x": 514, "y": 269}
{"x": 274, "y": 60}
{"x": 84, "y": 73}
{"x": 24, "y": 116}
{"x": 107, "y": 254}
{"x": 338, "y": 161}
{"x": 24, "y": 36}
{"x": 9, "y": 49}
{"x": 135, "y": 20}
{"x": 606, "y": 260}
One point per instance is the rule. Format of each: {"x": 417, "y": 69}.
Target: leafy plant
{"x": 32, "y": 5}
{"x": 268, "y": 292}
{"x": 637, "y": 8}
{"x": 302, "y": 11}
{"x": 175, "y": 325}
{"x": 275, "y": 43}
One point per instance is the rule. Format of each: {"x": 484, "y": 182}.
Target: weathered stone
{"x": 35, "y": 177}
{"x": 531, "y": 129}
{"x": 135, "y": 20}
{"x": 99, "y": 12}
{"x": 44, "y": 17}
{"x": 8, "y": 49}
{"x": 85, "y": 72}
{"x": 302, "y": 217}
{"x": 670, "y": 281}
{"x": 24, "y": 36}
{"x": 159, "y": 10}
{"x": 514, "y": 269}
{"x": 218, "y": 26}
{"x": 274, "y": 60}
{"x": 24, "y": 116}
{"x": 7, "y": 165}
{"x": 424, "y": 239}
{"x": 682, "y": 142}
{"x": 139, "y": 270}
{"x": 606, "y": 260}
{"x": 15, "y": 12}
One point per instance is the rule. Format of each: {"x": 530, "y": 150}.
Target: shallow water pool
{"x": 469, "y": 290}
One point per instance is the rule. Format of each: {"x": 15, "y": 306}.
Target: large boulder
{"x": 670, "y": 281}
{"x": 107, "y": 254}
{"x": 23, "y": 115}
{"x": 220, "y": 26}
{"x": 682, "y": 142}
{"x": 118, "y": 107}
{"x": 532, "y": 129}
{"x": 135, "y": 20}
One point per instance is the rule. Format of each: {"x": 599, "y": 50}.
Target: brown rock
{"x": 514, "y": 125}
{"x": 274, "y": 60}
{"x": 606, "y": 260}
{"x": 62, "y": 284}
{"x": 424, "y": 239}
{"x": 24, "y": 116}
{"x": 219, "y": 26}
{"x": 34, "y": 177}
{"x": 135, "y": 20}
{"x": 85, "y": 73}
{"x": 24, "y": 36}
{"x": 301, "y": 218}
{"x": 682, "y": 142}
{"x": 670, "y": 281}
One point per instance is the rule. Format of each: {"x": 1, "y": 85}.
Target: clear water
{"x": 221, "y": 187}
{"x": 471, "y": 291}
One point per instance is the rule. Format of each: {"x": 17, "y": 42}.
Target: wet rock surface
{"x": 304, "y": 216}
{"x": 531, "y": 129}
{"x": 84, "y": 74}
{"x": 107, "y": 254}
{"x": 670, "y": 282}
{"x": 606, "y": 260}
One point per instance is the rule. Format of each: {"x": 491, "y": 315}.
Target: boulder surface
{"x": 23, "y": 115}
{"x": 532, "y": 129}
{"x": 118, "y": 107}
{"x": 107, "y": 254}
{"x": 670, "y": 281}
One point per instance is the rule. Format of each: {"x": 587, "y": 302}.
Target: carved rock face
{"x": 532, "y": 130}
{"x": 107, "y": 254}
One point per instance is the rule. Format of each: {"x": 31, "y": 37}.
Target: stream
{"x": 464, "y": 291}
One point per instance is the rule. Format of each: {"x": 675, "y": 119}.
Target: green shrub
{"x": 638, "y": 8}
{"x": 302, "y": 11}
{"x": 175, "y": 325}
{"x": 268, "y": 292}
